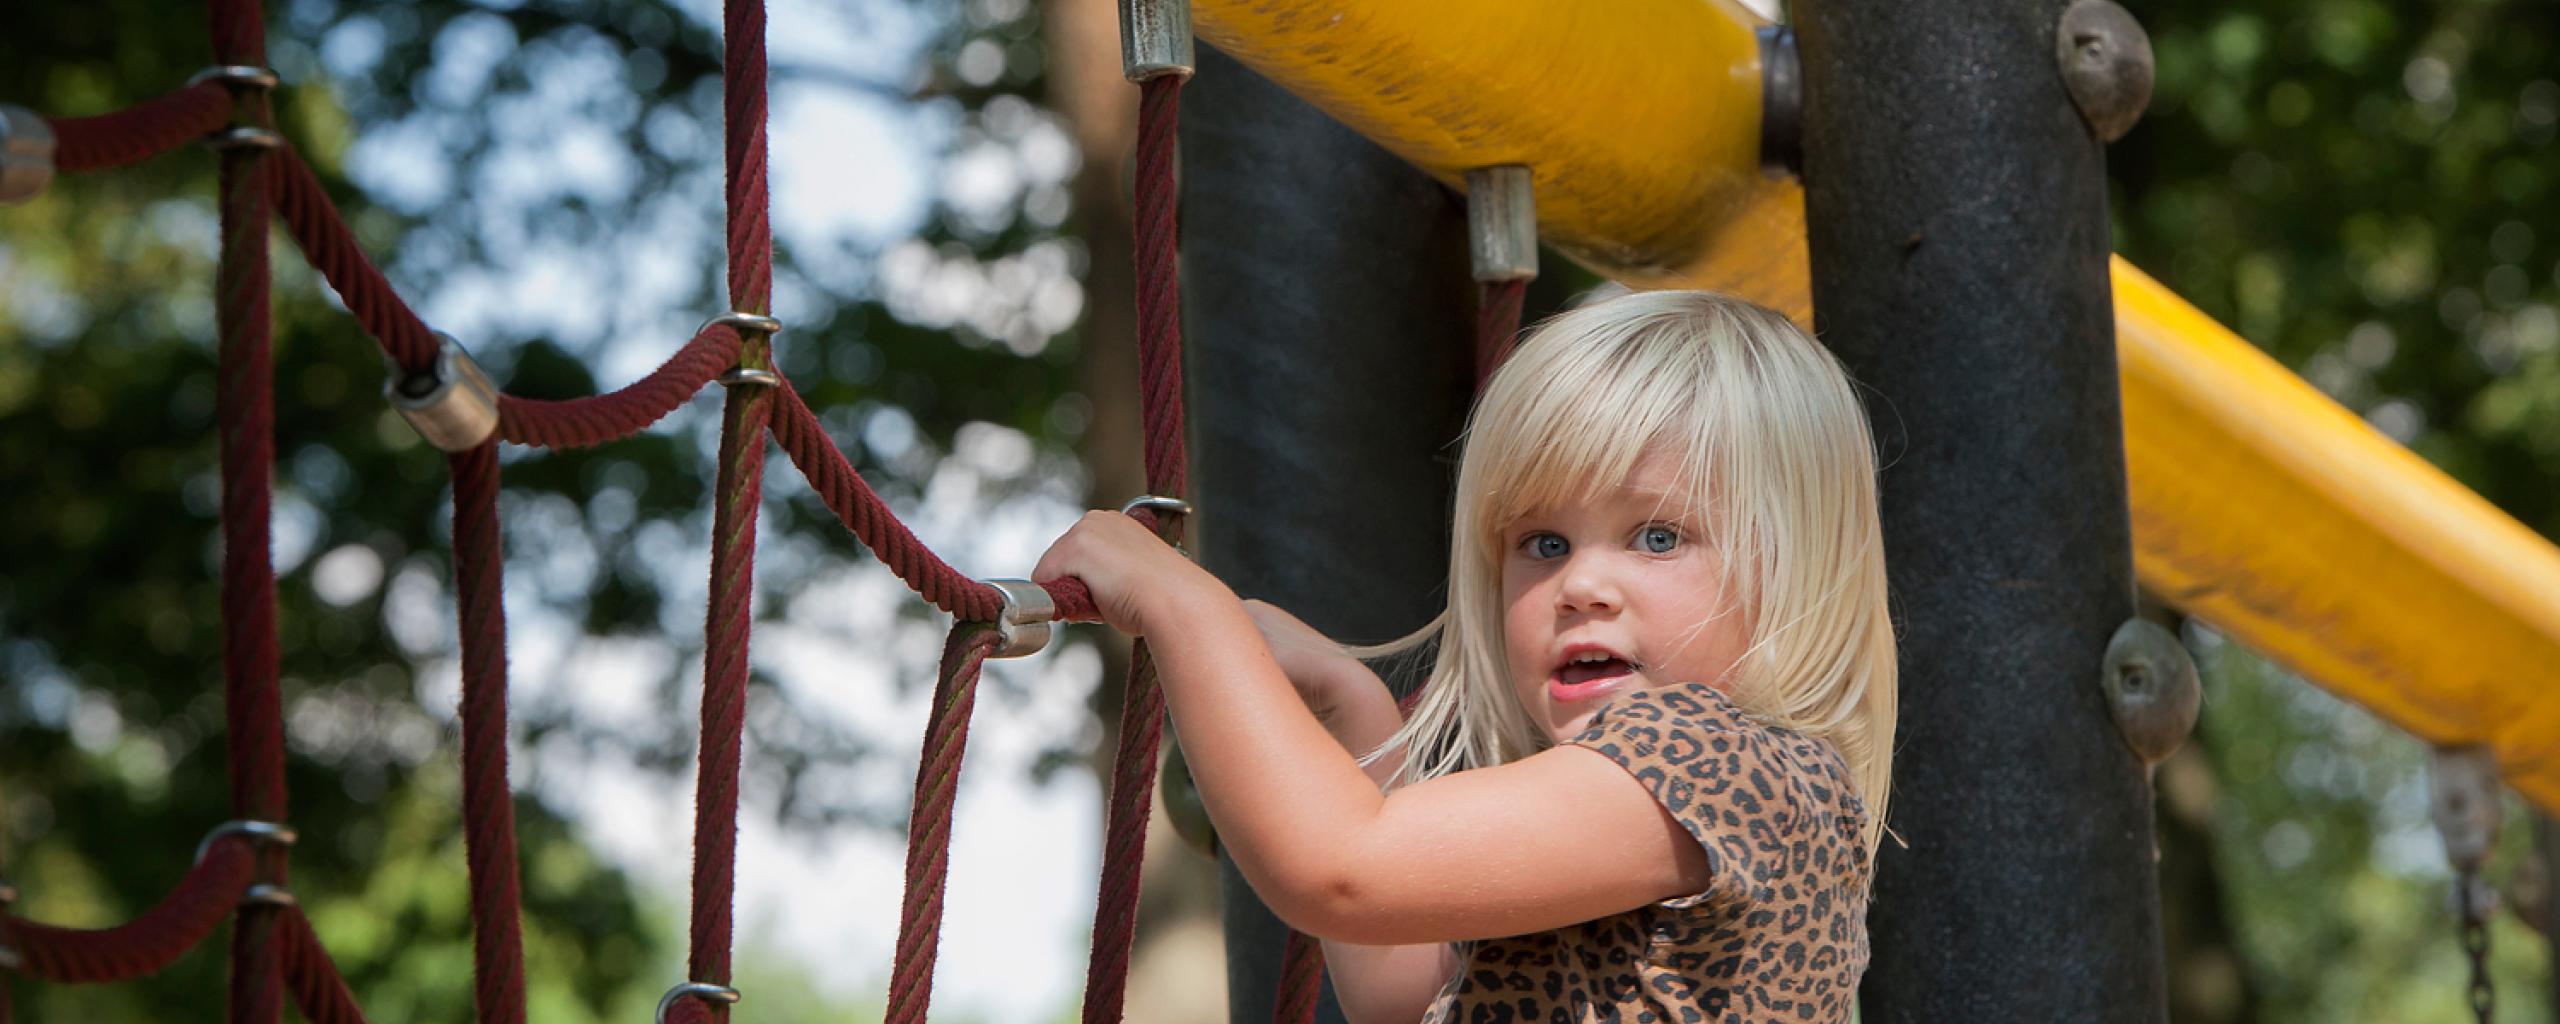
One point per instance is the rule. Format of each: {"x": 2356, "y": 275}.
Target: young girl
{"x": 1647, "y": 776}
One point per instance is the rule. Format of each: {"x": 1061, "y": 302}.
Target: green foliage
{"x": 2369, "y": 190}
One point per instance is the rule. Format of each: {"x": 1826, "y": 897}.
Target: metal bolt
{"x": 1155, "y": 38}
{"x": 26, "y": 154}
{"x": 1502, "y": 223}
{"x": 1023, "y": 627}
{"x": 452, "y": 404}
{"x": 702, "y": 990}
{"x": 2463, "y": 785}
{"x": 2151, "y": 687}
{"x": 2105, "y": 58}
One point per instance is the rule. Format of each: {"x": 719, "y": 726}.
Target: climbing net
{"x": 241, "y": 869}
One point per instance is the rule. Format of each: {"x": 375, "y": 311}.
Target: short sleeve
{"x": 1719, "y": 774}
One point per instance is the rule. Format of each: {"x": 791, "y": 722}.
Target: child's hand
{"x": 1128, "y": 569}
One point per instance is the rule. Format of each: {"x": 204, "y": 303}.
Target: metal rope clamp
{"x": 241, "y": 78}
{"x": 26, "y": 154}
{"x": 259, "y": 833}
{"x": 702, "y": 990}
{"x": 1502, "y": 224}
{"x": 748, "y": 326}
{"x": 1023, "y": 626}
{"x": 1155, "y": 39}
{"x": 451, "y": 403}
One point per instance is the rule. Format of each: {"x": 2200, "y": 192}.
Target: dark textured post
{"x": 1328, "y": 302}
{"x": 1956, "y": 209}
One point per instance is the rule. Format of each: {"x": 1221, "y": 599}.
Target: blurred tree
{"x": 2367, "y": 189}
{"x": 539, "y": 178}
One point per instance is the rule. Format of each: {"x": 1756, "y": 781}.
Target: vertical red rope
{"x": 245, "y": 411}
{"x": 946, "y": 732}
{"x": 1497, "y": 324}
{"x": 488, "y": 809}
{"x": 1301, "y": 980}
{"x": 742, "y": 438}
{"x": 1133, "y": 769}
{"x": 318, "y": 990}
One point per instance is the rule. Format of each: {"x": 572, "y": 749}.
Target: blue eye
{"x": 1545, "y": 545}
{"x": 1658, "y": 539}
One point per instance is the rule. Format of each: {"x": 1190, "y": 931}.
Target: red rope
{"x": 318, "y": 989}
{"x": 955, "y": 695}
{"x": 178, "y": 923}
{"x": 1301, "y": 980}
{"x": 141, "y": 131}
{"x": 488, "y": 810}
{"x": 1133, "y": 769}
{"x": 245, "y": 412}
{"x": 594, "y": 420}
{"x": 332, "y": 250}
{"x": 861, "y": 510}
{"x": 1497, "y": 324}
{"x": 740, "y": 488}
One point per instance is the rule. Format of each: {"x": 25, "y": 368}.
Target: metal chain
{"x": 2475, "y": 944}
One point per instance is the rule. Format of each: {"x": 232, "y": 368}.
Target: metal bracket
{"x": 243, "y": 137}
{"x": 2462, "y": 784}
{"x": 237, "y": 76}
{"x": 266, "y": 895}
{"x": 2151, "y": 686}
{"x": 1023, "y": 627}
{"x": 26, "y": 154}
{"x": 1781, "y": 102}
{"x": 749, "y": 376}
{"x": 259, "y": 833}
{"x": 451, "y": 404}
{"x": 702, "y": 990}
{"x": 1502, "y": 223}
{"x": 1155, "y": 39}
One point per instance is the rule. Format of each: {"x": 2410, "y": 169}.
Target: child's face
{"x": 1621, "y": 592}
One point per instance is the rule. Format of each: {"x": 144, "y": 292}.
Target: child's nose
{"x": 1587, "y": 586}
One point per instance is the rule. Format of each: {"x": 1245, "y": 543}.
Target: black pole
{"x": 1326, "y": 327}
{"x": 1956, "y": 208}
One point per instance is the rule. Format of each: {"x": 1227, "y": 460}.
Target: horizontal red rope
{"x": 332, "y": 250}
{"x": 614, "y": 415}
{"x": 181, "y": 920}
{"x": 319, "y": 991}
{"x": 141, "y": 131}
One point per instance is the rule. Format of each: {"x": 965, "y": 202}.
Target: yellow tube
{"x": 1640, "y": 122}
{"x": 2258, "y": 505}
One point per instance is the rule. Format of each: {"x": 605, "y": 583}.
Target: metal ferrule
{"x": 237, "y": 76}
{"x": 259, "y": 833}
{"x": 266, "y": 895}
{"x": 1502, "y": 224}
{"x": 701, "y": 990}
{"x": 745, "y": 324}
{"x": 749, "y": 376}
{"x": 244, "y": 137}
{"x": 1781, "y": 102}
{"x": 2462, "y": 784}
{"x": 452, "y": 404}
{"x": 1155, "y": 38}
{"x": 26, "y": 154}
{"x": 1023, "y": 627}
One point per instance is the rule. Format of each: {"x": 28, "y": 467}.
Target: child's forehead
{"x": 1652, "y": 487}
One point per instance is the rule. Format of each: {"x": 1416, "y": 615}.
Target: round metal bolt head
{"x": 2462, "y": 784}
{"x": 2151, "y": 687}
{"x": 26, "y": 154}
{"x": 2105, "y": 58}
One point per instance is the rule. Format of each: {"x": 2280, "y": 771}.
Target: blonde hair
{"x": 1773, "y": 452}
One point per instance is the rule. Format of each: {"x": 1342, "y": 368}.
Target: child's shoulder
{"x": 1691, "y": 743}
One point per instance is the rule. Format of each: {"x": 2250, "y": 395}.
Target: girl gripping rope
{"x": 1647, "y": 776}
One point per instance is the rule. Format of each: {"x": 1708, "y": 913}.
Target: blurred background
{"x": 2369, "y": 189}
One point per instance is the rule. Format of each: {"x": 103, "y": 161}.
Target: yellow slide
{"x": 2259, "y": 505}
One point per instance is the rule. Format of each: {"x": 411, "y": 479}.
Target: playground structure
{"x": 1651, "y": 162}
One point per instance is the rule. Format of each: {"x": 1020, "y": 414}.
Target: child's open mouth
{"x": 1589, "y": 676}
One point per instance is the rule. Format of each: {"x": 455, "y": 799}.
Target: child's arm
{"x": 1558, "y": 838}
{"x": 1374, "y": 984}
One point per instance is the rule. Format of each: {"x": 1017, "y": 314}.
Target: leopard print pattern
{"x": 1780, "y": 933}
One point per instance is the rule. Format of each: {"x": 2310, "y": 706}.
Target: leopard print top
{"x": 1779, "y": 935}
